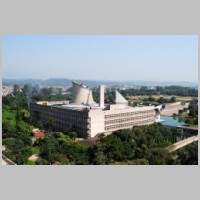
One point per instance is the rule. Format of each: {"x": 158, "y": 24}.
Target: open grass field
{"x": 178, "y": 98}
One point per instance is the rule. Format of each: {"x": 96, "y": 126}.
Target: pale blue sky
{"x": 99, "y": 57}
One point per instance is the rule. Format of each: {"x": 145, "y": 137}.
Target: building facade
{"x": 89, "y": 118}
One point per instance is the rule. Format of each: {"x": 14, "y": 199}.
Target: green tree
{"x": 180, "y": 112}
{"x": 188, "y": 155}
{"x": 8, "y": 130}
{"x": 23, "y": 155}
{"x": 48, "y": 148}
{"x": 174, "y": 115}
{"x": 193, "y": 108}
{"x": 158, "y": 156}
{"x": 72, "y": 134}
{"x": 26, "y": 89}
{"x": 50, "y": 124}
{"x": 100, "y": 158}
{"x": 162, "y": 100}
{"x": 151, "y": 98}
{"x": 16, "y": 89}
{"x": 173, "y": 99}
{"x": 141, "y": 161}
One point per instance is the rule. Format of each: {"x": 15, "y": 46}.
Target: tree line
{"x": 168, "y": 90}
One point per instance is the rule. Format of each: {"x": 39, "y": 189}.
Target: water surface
{"x": 171, "y": 121}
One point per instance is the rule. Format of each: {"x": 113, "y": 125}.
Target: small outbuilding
{"x": 38, "y": 135}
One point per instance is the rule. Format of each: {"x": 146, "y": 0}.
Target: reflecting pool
{"x": 171, "y": 121}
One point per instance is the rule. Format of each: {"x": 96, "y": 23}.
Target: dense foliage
{"x": 188, "y": 155}
{"x": 190, "y": 115}
{"x": 61, "y": 149}
{"x": 47, "y": 94}
{"x": 142, "y": 145}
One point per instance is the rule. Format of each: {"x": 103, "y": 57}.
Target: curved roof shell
{"x": 81, "y": 94}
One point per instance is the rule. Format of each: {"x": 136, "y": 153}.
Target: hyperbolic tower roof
{"x": 81, "y": 94}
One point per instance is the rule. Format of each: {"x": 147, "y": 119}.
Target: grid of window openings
{"x": 119, "y": 115}
{"x": 129, "y": 125}
{"x": 64, "y": 119}
{"x": 129, "y": 119}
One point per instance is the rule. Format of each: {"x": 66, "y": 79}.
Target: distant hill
{"x": 48, "y": 82}
{"x": 94, "y": 83}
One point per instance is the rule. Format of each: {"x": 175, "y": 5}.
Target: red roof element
{"x": 39, "y": 134}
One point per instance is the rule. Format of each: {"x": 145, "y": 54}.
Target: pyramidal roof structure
{"x": 119, "y": 99}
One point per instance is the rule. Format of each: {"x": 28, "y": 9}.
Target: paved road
{"x": 171, "y": 108}
{"x": 183, "y": 143}
{"x": 187, "y": 127}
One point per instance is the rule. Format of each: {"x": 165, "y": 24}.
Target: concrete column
{"x": 101, "y": 96}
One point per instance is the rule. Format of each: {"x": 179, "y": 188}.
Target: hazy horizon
{"x": 101, "y": 58}
{"x": 98, "y": 80}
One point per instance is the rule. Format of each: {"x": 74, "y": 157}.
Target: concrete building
{"x": 7, "y": 90}
{"x": 90, "y": 118}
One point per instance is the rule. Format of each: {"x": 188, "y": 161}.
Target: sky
{"x": 101, "y": 57}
